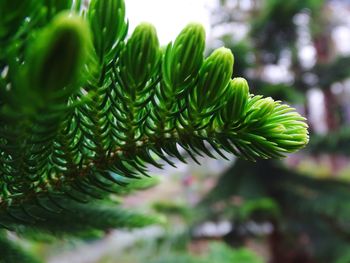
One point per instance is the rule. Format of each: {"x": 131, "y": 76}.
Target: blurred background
{"x": 292, "y": 211}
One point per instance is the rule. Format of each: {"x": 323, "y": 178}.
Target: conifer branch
{"x": 80, "y": 102}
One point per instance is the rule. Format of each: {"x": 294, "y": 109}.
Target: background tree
{"x": 308, "y": 215}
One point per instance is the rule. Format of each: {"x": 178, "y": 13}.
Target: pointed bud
{"x": 214, "y": 76}
{"x": 58, "y": 53}
{"x": 140, "y": 57}
{"x": 184, "y": 58}
{"x": 108, "y": 26}
{"x": 237, "y": 98}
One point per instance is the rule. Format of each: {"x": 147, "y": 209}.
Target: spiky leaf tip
{"x": 140, "y": 57}
{"x": 214, "y": 77}
{"x": 183, "y": 59}
{"x": 108, "y": 26}
{"x": 57, "y": 54}
{"x": 280, "y": 128}
{"x": 237, "y": 98}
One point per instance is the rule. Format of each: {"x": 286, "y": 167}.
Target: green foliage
{"x": 136, "y": 66}
{"x": 218, "y": 252}
{"x": 108, "y": 26}
{"x": 238, "y": 89}
{"x": 183, "y": 59}
{"x": 12, "y": 16}
{"x": 172, "y": 208}
{"x": 55, "y": 55}
{"x": 12, "y": 253}
{"x": 63, "y": 214}
{"x": 83, "y": 109}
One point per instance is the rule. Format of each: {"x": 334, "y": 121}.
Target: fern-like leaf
{"x": 82, "y": 106}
